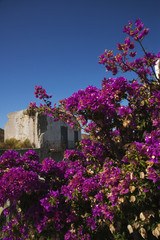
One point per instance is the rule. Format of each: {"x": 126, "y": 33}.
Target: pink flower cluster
{"x": 41, "y": 93}
{"x": 123, "y": 60}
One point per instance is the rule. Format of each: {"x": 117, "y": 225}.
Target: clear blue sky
{"x": 56, "y": 44}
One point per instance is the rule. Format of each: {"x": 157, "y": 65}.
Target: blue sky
{"x": 56, "y": 44}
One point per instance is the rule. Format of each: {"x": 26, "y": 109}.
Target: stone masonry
{"x": 42, "y": 131}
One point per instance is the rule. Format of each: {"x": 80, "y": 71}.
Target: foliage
{"x": 13, "y": 143}
{"x": 109, "y": 188}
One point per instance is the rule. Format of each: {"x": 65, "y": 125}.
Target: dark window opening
{"x": 64, "y": 137}
{"x": 75, "y": 138}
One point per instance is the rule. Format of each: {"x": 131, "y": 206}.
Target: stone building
{"x": 42, "y": 131}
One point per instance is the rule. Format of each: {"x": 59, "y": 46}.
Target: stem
{"x": 147, "y": 57}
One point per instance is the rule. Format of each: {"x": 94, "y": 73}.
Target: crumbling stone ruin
{"x": 43, "y": 132}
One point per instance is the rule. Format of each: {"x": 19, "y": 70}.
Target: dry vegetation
{"x": 13, "y": 143}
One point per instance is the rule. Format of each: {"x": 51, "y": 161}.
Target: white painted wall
{"x": 157, "y": 68}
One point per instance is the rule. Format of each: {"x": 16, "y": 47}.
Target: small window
{"x": 75, "y": 137}
{"x": 64, "y": 137}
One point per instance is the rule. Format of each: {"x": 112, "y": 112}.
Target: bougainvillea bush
{"x": 109, "y": 187}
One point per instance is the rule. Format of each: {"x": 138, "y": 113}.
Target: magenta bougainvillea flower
{"x": 109, "y": 187}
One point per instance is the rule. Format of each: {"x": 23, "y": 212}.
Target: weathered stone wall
{"x": 57, "y": 156}
{"x": 21, "y": 126}
{"x": 42, "y": 131}
{"x": 52, "y": 135}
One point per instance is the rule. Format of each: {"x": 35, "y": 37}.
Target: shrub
{"x": 13, "y": 143}
{"x": 109, "y": 188}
